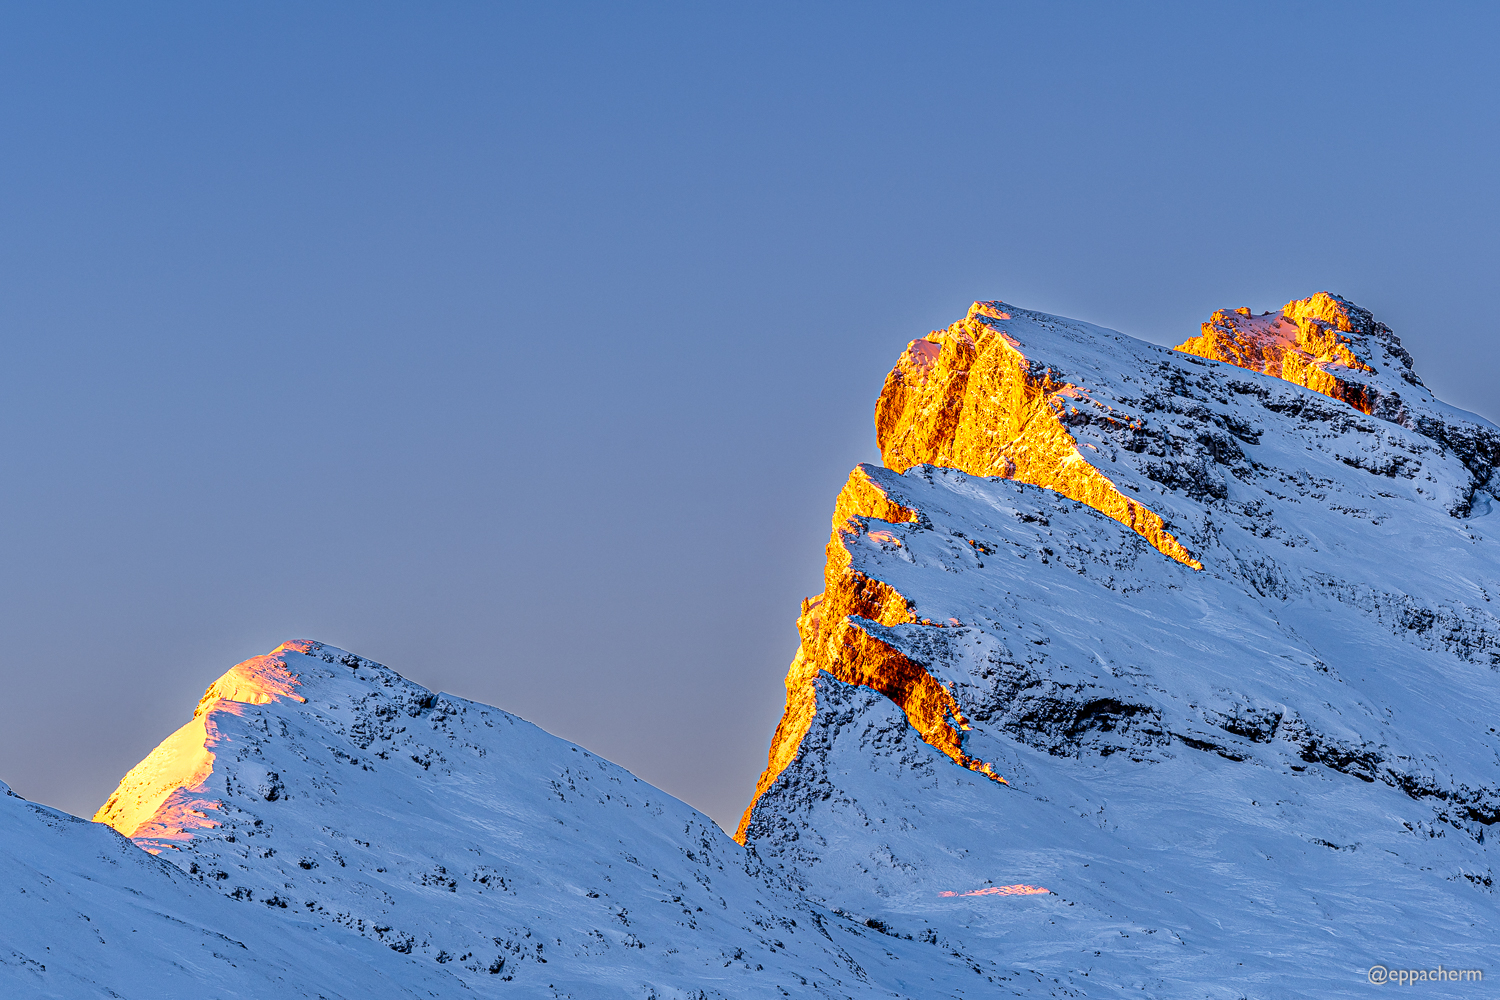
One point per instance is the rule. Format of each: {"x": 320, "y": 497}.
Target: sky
{"x": 524, "y": 348}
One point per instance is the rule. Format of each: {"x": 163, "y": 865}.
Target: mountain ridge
{"x": 1136, "y": 671}
{"x": 442, "y": 828}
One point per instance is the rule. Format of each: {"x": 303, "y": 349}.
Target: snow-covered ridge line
{"x": 343, "y": 795}
{"x": 88, "y": 914}
{"x": 155, "y": 802}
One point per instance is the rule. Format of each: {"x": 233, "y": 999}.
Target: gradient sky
{"x": 525, "y": 348}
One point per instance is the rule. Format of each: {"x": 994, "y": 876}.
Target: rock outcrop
{"x": 1333, "y": 347}
{"x": 846, "y": 648}
{"x": 968, "y": 398}
{"x": 1319, "y": 342}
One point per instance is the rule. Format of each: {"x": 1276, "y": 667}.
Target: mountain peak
{"x": 258, "y": 680}
{"x": 1324, "y": 342}
{"x": 159, "y": 803}
{"x": 325, "y": 789}
{"x": 1261, "y": 723}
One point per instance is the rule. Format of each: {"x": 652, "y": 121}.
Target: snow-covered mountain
{"x": 1137, "y": 672}
{"x": 315, "y": 785}
{"x": 1231, "y": 644}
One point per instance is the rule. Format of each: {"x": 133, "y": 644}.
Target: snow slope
{"x": 88, "y": 914}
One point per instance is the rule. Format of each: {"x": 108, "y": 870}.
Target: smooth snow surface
{"x": 1254, "y": 780}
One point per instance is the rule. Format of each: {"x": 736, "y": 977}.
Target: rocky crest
{"x": 1334, "y": 347}
{"x": 1324, "y": 343}
{"x": 969, "y": 398}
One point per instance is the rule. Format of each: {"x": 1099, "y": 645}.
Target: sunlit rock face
{"x": 851, "y": 653}
{"x": 1227, "y": 628}
{"x": 1324, "y": 343}
{"x": 970, "y": 398}
{"x": 1335, "y": 348}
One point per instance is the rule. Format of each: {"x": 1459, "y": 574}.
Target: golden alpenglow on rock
{"x": 1007, "y": 393}
{"x": 1225, "y": 615}
{"x": 965, "y": 398}
{"x": 834, "y": 640}
{"x": 1315, "y": 342}
{"x": 968, "y": 398}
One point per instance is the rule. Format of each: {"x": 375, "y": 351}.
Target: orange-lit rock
{"x": 968, "y": 398}
{"x": 1311, "y": 342}
{"x": 160, "y": 800}
{"x": 833, "y": 641}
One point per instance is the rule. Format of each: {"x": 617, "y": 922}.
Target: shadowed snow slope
{"x": 87, "y": 914}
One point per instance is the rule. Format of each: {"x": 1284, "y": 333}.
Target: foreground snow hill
{"x": 88, "y": 914}
{"x": 1229, "y": 642}
{"x": 318, "y": 788}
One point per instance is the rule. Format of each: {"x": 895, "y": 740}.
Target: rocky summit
{"x": 1137, "y": 672}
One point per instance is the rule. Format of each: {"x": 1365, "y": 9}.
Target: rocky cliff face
{"x": 1324, "y": 343}
{"x": 969, "y": 398}
{"x": 1169, "y": 600}
{"x": 1335, "y": 348}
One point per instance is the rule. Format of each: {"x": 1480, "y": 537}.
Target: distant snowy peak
{"x": 321, "y": 788}
{"x": 161, "y": 801}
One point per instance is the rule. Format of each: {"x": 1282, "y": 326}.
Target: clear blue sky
{"x": 525, "y": 348}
